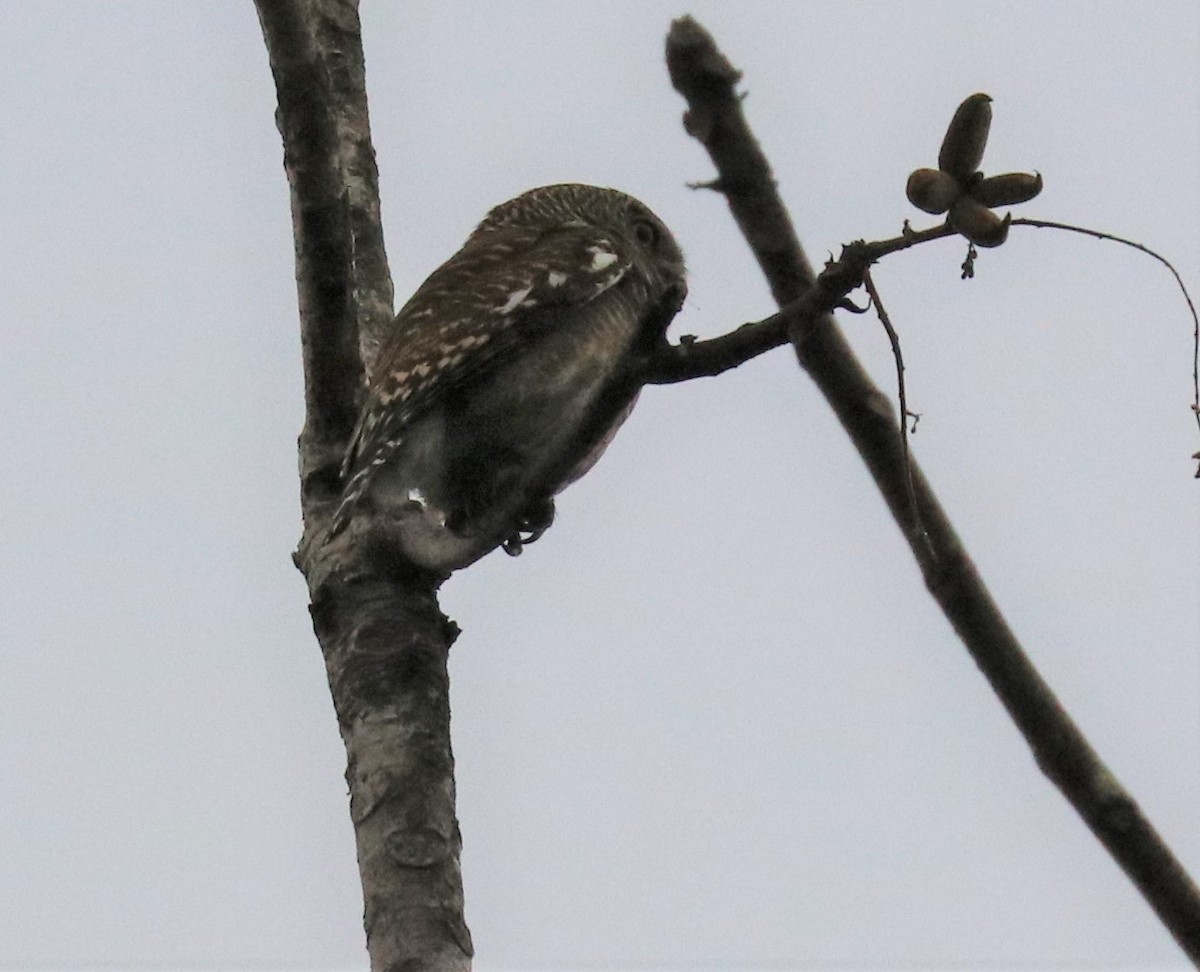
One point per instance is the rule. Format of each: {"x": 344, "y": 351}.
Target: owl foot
{"x": 532, "y": 524}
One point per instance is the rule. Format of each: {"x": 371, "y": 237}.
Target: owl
{"x": 508, "y": 372}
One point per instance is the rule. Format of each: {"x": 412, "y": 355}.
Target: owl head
{"x": 656, "y": 254}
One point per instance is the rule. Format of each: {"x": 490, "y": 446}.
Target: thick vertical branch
{"x": 339, "y": 39}
{"x": 385, "y": 645}
{"x": 344, "y": 286}
{"x": 384, "y": 640}
{"x": 320, "y": 225}
{"x": 702, "y": 74}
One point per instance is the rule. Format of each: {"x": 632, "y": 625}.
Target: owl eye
{"x": 646, "y": 233}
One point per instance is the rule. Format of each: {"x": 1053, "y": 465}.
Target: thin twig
{"x": 902, "y": 395}
{"x": 691, "y": 358}
{"x": 702, "y": 359}
{"x": 1097, "y": 234}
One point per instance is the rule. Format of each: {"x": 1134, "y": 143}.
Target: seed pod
{"x": 966, "y": 137}
{"x": 932, "y": 190}
{"x": 1008, "y": 189}
{"x": 978, "y": 223}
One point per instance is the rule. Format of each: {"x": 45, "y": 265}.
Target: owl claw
{"x": 534, "y": 522}
{"x": 515, "y": 544}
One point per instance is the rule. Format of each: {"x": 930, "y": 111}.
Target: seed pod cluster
{"x": 958, "y": 188}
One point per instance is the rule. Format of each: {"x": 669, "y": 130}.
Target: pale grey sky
{"x": 711, "y": 720}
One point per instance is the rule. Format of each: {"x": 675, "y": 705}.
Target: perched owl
{"x": 508, "y": 372}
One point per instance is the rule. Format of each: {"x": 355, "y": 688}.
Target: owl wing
{"x": 469, "y": 315}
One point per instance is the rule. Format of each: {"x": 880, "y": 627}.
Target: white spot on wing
{"x": 556, "y": 279}
{"x": 602, "y": 259}
{"x": 515, "y": 299}
{"x": 418, "y": 499}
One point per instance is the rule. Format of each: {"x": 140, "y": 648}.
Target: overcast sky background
{"x": 711, "y": 720}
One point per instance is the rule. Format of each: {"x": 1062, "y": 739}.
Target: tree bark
{"x": 377, "y": 619}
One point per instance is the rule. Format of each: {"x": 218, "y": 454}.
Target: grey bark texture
{"x": 384, "y": 639}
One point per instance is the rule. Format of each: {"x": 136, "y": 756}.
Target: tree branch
{"x": 324, "y": 278}
{"x": 339, "y": 39}
{"x": 706, "y": 79}
{"x": 384, "y": 639}
{"x": 703, "y": 359}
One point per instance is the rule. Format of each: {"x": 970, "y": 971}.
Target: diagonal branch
{"x": 383, "y": 637}
{"x": 701, "y": 73}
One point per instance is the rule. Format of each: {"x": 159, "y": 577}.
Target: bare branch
{"x": 342, "y": 275}
{"x": 1096, "y": 234}
{"x": 324, "y": 274}
{"x": 702, "y": 359}
{"x": 691, "y": 358}
{"x": 384, "y": 639}
{"x": 902, "y": 396}
{"x": 338, "y": 37}
{"x": 706, "y": 79}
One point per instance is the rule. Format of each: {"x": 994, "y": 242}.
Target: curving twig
{"x": 1097, "y": 234}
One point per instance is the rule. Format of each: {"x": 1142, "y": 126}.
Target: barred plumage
{"x": 506, "y": 373}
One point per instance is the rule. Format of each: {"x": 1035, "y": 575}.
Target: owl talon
{"x": 515, "y": 544}
{"x": 535, "y": 521}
